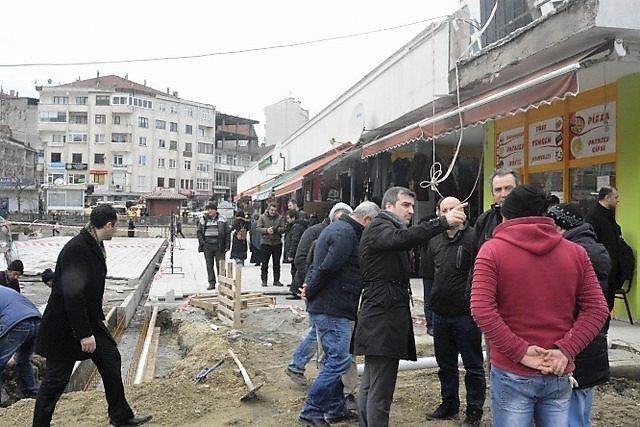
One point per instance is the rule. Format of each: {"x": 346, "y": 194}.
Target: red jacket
{"x": 527, "y": 283}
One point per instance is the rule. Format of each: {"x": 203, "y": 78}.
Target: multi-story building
{"x": 18, "y": 189}
{"x": 117, "y": 140}
{"x": 282, "y": 119}
{"x": 236, "y": 150}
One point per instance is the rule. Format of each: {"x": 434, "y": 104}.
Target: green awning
{"x": 267, "y": 191}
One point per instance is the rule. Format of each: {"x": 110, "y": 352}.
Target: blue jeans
{"x": 426, "y": 296}
{"x": 20, "y": 340}
{"x": 305, "y": 350}
{"x": 518, "y": 400}
{"x": 453, "y": 336}
{"x": 326, "y": 397}
{"x": 580, "y": 407}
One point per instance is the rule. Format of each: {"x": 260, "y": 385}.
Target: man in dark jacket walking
{"x": 296, "y": 225}
{"x": 592, "y": 364}
{"x": 603, "y": 219}
{"x": 449, "y": 259}
{"x": 271, "y": 228}
{"x": 73, "y": 327}
{"x": 213, "y": 240}
{"x": 384, "y": 331}
{"x": 332, "y": 288}
{"x": 19, "y": 322}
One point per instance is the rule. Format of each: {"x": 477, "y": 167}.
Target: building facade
{"x": 282, "y": 119}
{"x": 117, "y": 140}
{"x": 18, "y": 186}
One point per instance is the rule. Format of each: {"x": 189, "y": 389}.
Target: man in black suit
{"x": 73, "y": 327}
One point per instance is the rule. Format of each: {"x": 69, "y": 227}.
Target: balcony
{"x": 187, "y": 154}
{"x": 228, "y": 167}
{"x": 120, "y": 147}
{"x": 121, "y": 109}
{"x": 120, "y": 167}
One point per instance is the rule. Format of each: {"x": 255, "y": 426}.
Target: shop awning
{"x": 250, "y": 191}
{"x": 266, "y": 191}
{"x": 544, "y": 86}
{"x": 295, "y": 182}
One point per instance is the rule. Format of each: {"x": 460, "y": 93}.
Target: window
{"x": 77, "y": 137}
{"x": 172, "y": 163}
{"x": 119, "y": 100}
{"x": 142, "y": 141}
{"x": 143, "y": 122}
{"x": 58, "y": 137}
{"x": 99, "y": 178}
{"x": 188, "y": 112}
{"x": 76, "y": 178}
{"x": 205, "y": 148}
{"x": 115, "y": 119}
{"x": 142, "y": 181}
{"x": 98, "y": 159}
{"x": 162, "y": 108}
{"x": 204, "y": 166}
{"x": 142, "y": 160}
{"x": 232, "y": 159}
{"x": 172, "y": 183}
{"x": 188, "y": 146}
{"x": 162, "y": 143}
{"x": 77, "y": 119}
{"x": 219, "y": 158}
{"x": 61, "y": 100}
{"x": 161, "y": 124}
{"x": 100, "y": 119}
{"x": 200, "y": 131}
{"x": 53, "y": 116}
{"x": 188, "y": 129}
{"x": 147, "y": 104}
{"x": 118, "y": 160}
{"x": 187, "y": 165}
{"x": 161, "y": 162}
{"x": 160, "y": 182}
{"x": 173, "y": 145}
{"x": 204, "y": 115}
{"x": 102, "y": 99}
{"x": 52, "y": 177}
{"x": 76, "y": 157}
{"x": 81, "y": 100}
{"x": 172, "y": 109}
{"x": 222, "y": 179}
{"x": 173, "y": 127}
{"x": 119, "y": 137}
{"x": 202, "y": 184}
{"x": 186, "y": 184}
{"x": 56, "y": 157}
{"x": 99, "y": 138}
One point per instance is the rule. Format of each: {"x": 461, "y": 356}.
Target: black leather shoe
{"x": 135, "y": 421}
{"x": 313, "y": 422}
{"x": 292, "y": 297}
{"x": 264, "y": 284}
{"x": 443, "y": 412}
{"x": 472, "y": 418}
{"x": 347, "y": 416}
{"x": 277, "y": 284}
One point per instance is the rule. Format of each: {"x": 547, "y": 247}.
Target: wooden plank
{"x": 150, "y": 367}
{"x": 145, "y": 349}
{"x": 237, "y": 315}
{"x": 225, "y": 311}
{"x": 208, "y": 304}
{"x": 225, "y": 320}
{"x": 225, "y": 292}
{"x": 229, "y": 281}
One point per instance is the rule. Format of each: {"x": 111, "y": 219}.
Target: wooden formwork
{"x": 230, "y": 294}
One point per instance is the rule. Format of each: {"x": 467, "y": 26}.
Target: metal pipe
{"x": 421, "y": 363}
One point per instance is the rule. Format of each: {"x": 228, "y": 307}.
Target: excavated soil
{"x": 264, "y": 345}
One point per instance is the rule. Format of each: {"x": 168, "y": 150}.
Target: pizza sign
{"x": 593, "y": 131}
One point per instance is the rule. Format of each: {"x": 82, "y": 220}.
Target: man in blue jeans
{"x": 333, "y": 286}
{"x": 447, "y": 261}
{"x": 19, "y": 322}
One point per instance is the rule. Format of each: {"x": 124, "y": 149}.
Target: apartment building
{"x": 282, "y": 119}
{"x": 115, "y": 139}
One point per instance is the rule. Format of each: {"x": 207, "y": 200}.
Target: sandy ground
{"x": 264, "y": 345}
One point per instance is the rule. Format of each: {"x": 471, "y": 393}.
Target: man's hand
{"x": 555, "y": 362}
{"x": 88, "y": 344}
{"x": 270, "y": 230}
{"x": 303, "y": 293}
{"x": 534, "y": 358}
{"x": 456, "y": 216}
{"x": 289, "y": 259}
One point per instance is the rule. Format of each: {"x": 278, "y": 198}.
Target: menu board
{"x": 593, "y": 131}
{"x": 510, "y": 148}
{"x": 545, "y": 141}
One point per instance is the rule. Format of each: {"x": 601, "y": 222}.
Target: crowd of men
{"x": 535, "y": 277}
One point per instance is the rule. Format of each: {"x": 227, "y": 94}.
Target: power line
{"x": 228, "y": 52}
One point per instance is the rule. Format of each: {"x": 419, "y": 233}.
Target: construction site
{"x": 214, "y": 358}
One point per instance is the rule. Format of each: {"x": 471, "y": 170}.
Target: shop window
{"x": 586, "y": 181}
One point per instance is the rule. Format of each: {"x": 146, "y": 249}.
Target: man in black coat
{"x": 603, "y": 219}
{"x": 296, "y": 225}
{"x": 332, "y": 287}
{"x": 592, "y": 364}
{"x": 384, "y": 331}
{"x": 73, "y": 327}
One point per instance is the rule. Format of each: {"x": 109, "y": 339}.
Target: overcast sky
{"x": 240, "y": 84}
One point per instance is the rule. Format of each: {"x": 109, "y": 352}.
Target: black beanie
{"x": 525, "y": 200}
{"x": 16, "y": 266}
{"x": 566, "y": 215}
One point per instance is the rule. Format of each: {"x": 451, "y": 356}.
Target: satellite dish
{"x": 49, "y": 81}
{"x": 356, "y": 124}
{"x": 58, "y": 181}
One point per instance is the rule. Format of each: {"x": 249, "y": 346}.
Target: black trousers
{"x": 106, "y": 357}
{"x": 270, "y": 251}
{"x": 377, "y": 385}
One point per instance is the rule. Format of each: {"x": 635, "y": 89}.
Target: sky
{"x": 238, "y": 84}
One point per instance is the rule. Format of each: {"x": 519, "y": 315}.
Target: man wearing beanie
{"x": 592, "y": 364}
{"x": 538, "y": 301}
{"x": 9, "y": 278}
